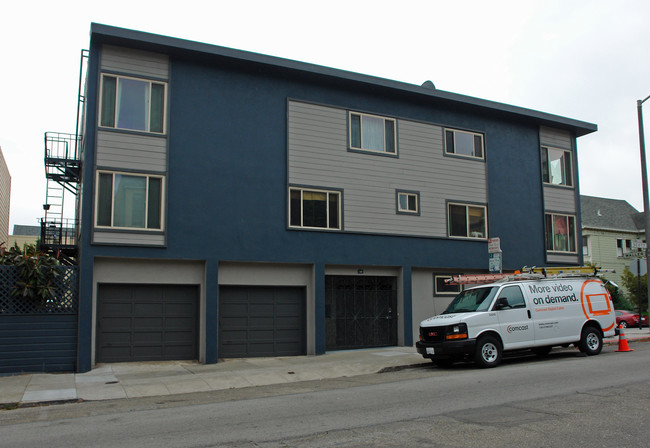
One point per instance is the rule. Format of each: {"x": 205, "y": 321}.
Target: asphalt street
{"x": 565, "y": 400}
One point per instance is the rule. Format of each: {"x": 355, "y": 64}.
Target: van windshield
{"x": 477, "y": 299}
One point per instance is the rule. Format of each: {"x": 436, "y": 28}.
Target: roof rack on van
{"x": 528, "y": 273}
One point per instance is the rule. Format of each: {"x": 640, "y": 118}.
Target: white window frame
{"x": 568, "y": 155}
{"x": 408, "y": 194}
{"x": 623, "y": 246}
{"x": 453, "y": 289}
{"x": 586, "y": 241}
{"x": 361, "y": 145}
{"x": 453, "y": 152}
{"x": 302, "y": 190}
{"x": 467, "y": 230}
{"x": 575, "y": 233}
{"x": 146, "y": 203}
{"x": 148, "y": 127}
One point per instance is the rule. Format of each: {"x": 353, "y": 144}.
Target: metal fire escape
{"x": 59, "y": 230}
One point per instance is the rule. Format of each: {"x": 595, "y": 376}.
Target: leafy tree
{"x": 630, "y": 281}
{"x": 36, "y": 272}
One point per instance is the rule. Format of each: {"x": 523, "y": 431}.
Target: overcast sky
{"x": 584, "y": 59}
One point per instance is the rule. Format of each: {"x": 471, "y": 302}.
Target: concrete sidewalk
{"x": 147, "y": 379}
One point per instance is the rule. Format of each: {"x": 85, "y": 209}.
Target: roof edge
{"x": 107, "y": 32}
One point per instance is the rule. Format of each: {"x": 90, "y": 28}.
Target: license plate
{"x": 430, "y": 351}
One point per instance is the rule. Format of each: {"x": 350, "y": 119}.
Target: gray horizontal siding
{"x": 318, "y": 156}
{"x": 128, "y": 239}
{"x": 38, "y": 343}
{"x": 555, "y": 137}
{"x": 560, "y": 199}
{"x": 131, "y": 152}
{"x": 135, "y": 62}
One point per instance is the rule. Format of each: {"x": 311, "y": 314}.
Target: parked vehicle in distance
{"x": 519, "y": 313}
{"x": 629, "y": 319}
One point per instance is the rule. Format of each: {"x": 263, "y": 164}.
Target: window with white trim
{"x": 132, "y": 103}
{"x": 560, "y": 233}
{"x": 623, "y": 247}
{"x": 314, "y": 209}
{"x": 129, "y": 201}
{"x": 372, "y": 133}
{"x": 408, "y": 202}
{"x": 585, "y": 245}
{"x": 442, "y": 288}
{"x": 557, "y": 167}
{"x": 467, "y": 221}
{"x": 463, "y": 143}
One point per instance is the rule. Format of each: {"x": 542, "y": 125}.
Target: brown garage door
{"x": 261, "y": 321}
{"x": 147, "y": 322}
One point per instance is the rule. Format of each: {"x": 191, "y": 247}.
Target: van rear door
{"x": 515, "y": 322}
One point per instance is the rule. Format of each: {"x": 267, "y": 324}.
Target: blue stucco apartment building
{"x": 236, "y": 205}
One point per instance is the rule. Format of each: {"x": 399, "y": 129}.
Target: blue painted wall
{"x": 227, "y": 182}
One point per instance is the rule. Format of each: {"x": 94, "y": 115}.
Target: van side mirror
{"x": 502, "y": 302}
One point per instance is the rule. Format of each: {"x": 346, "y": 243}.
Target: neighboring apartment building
{"x": 609, "y": 227}
{"x": 235, "y": 204}
{"x": 23, "y": 235}
{"x": 5, "y": 199}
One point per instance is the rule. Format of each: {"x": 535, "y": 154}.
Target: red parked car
{"x": 628, "y": 319}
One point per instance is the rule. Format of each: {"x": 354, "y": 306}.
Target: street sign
{"x": 494, "y": 245}
{"x": 638, "y": 244}
{"x": 495, "y": 262}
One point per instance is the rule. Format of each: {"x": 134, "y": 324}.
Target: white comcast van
{"x": 520, "y": 313}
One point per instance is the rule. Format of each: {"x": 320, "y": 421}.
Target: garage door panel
{"x": 261, "y": 321}
{"x": 147, "y": 322}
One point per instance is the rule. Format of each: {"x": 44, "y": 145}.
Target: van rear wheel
{"x": 488, "y": 352}
{"x": 591, "y": 341}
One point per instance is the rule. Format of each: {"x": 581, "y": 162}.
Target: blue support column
{"x": 319, "y": 311}
{"x": 408, "y": 305}
{"x": 211, "y": 311}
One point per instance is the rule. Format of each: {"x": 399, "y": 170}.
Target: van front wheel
{"x": 488, "y": 352}
{"x": 591, "y": 341}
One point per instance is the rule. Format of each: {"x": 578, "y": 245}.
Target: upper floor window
{"x": 623, "y": 247}
{"x": 560, "y": 233}
{"x": 467, "y": 221}
{"x": 463, "y": 143}
{"x": 372, "y": 133}
{"x": 318, "y": 209}
{"x": 131, "y": 103}
{"x": 557, "y": 167}
{"x": 408, "y": 202}
{"x": 585, "y": 245}
{"x": 129, "y": 201}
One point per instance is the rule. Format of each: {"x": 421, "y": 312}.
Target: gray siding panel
{"x": 319, "y": 156}
{"x": 135, "y": 62}
{"x": 131, "y": 152}
{"x": 555, "y": 137}
{"x": 138, "y": 239}
{"x": 560, "y": 199}
{"x": 564, "y": 259}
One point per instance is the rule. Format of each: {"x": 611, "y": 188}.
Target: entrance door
{"x": 360, "y": 311}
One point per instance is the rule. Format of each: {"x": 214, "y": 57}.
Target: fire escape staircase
{"x": 63, "y": 175}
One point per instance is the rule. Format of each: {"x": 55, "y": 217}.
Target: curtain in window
{"x": 129, "y": 197}
{"x": 108, "y": 101}
{"x": 476, "y": 222}
{"x": 132, "y": 104}
{"x": 314, "y": 209}
{"x": 373, "y": 133}
{"x": 560, "y": 238}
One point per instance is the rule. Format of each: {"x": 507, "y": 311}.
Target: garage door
{"x": 261, "y": 321}
{"x": 147, "y": 322}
